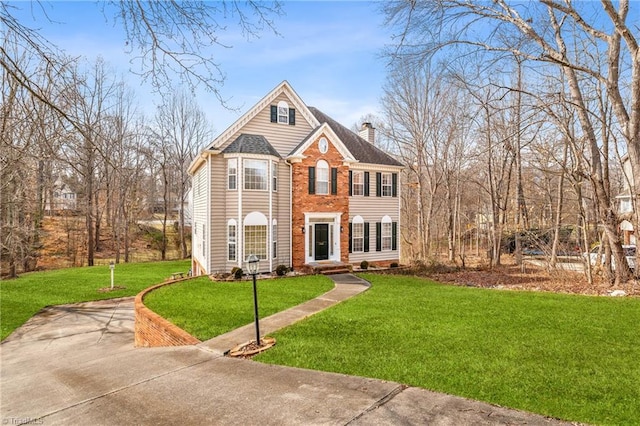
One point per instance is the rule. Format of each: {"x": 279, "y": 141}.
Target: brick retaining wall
{"x": 151, "y": 330}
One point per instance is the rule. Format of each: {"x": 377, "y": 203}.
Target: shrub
{"x": 364, "y": 264}
{"x": 236, "y": 272}
{"x": 393, "y": 265}
{"x": 281, "y": 270}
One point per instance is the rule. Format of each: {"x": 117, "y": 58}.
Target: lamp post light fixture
{"x": 112, "y": 266}
{"x": 253, "y": 265}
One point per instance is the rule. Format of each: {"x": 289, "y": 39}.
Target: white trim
{"x": 255, "y": 218}
{"x": 336, "y": 216}
{"x": 376, "y": 168}
{"x": 331, "y": 137}
{"x": 208, "y": 258}
{"x": 240, "y": 236}
{"x": 270, "y": 219}
{"x": 291, "y": 215}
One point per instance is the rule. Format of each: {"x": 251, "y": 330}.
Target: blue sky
{"x": 329, "y": 51}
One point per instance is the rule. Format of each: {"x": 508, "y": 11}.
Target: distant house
{"x": 289, "y": 184}
{"x": 64, "y": 198}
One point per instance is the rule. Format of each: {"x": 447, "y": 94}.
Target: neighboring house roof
{"x": 361, "y": 149}
{"x": 251, "y": 144}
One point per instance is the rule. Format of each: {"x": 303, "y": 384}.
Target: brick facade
{"x": 303, "y": 202}
{"x": 151, "y": 330}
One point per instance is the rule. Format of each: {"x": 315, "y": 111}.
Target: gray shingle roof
{"x": 361, "y": 149}
{"x": 251, "y": 144}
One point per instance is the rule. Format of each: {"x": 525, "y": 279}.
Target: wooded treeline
{"x": 72, "y": 129}
{"x": 117, "y": 166}
{"x": 514, "y": 120}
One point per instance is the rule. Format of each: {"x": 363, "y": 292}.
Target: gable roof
{"x": 361, "y": 149}
{"x": 335, "y": 140}
{"x": 283, "y": 87}
{"x": 251, "y": 144}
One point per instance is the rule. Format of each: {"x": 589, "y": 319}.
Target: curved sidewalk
{"x": 76, "y": 364}
{"x": 347, "y": 285}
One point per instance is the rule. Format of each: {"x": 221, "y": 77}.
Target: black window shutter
{"x": 394, "y": 236}
{"x": 274, "y": 113}
{"x": 394, "y": 188}
{"x": 378, "y": 236}
{"x": 366, "y": 184}
{"x": 350, "y": 242}
{"x": 350, "y": 183}
{"x": 378, "y": 184}
{"x": 292, "y": 117}
{"x": 312, "y": 180}
{"x": 366, "y": 236}
{"x": 334, "y": 181}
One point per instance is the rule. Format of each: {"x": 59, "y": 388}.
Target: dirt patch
{"x": 510, "y": 276}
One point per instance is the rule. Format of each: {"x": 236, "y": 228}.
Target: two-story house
{"x": 294, "y": 187}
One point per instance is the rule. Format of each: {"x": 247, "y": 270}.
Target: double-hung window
{"x": 232, "y": 173}
{"x": 357, "y": 235}
{"x": 255, "y": 174}
{"x": 322, "y": 178}
{"x": 232, "y": 231}
{"x": 387, "y": 185}
{"x": 386, "y": 235}
{"x": 274, "y": 176}
{"x": 358, "y": 183}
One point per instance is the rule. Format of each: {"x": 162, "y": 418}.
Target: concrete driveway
{"x": 76, "y": 364}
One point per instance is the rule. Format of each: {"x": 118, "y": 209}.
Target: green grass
{"x": 206, "y": 309}
{"x": 571, "y": 357}
{"x": 23, "y": 297}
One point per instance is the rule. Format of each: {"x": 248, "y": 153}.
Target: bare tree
{"x": 184, "y": 127}
{"x": 550, "y": 33}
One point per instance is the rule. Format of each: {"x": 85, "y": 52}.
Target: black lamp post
{"x": 253, "y": 264}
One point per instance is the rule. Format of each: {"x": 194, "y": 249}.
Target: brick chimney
{"x": 367, "y": 132}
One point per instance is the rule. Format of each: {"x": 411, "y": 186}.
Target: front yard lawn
{"x": 207, "y": 309}
{"x": 572, "y": 357}
{"x": 23, "y": 297}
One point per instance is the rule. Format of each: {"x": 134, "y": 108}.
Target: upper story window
{"x": 358, "y": 183}
{"x": 387, "y": 185}
{"x": 255, "y": 174}
{"x": 274, "y": 176}
{"x": 282, "y": 114}
{"x": 322, "y": 178}
{"x": 232, "y": 173}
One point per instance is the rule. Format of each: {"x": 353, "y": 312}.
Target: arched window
{"x": 255, "y": 235}
{"x": 232, "y": 239}
{"x": 322, "y": 177}
{"x": 283, "y": 112}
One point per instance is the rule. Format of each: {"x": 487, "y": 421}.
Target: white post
{"x": 112, "y": 266}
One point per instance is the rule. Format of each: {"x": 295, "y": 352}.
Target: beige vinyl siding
{"x": 199, "y": 212}
{"x": 373, "y": 209}
{"x": 282, "y": 213}
{"x": 283, "y": 137}
{"x": 218, "y": 231}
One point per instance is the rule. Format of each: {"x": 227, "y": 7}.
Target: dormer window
{"x": 282, "y": 114}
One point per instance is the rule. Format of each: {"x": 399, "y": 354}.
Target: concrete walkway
{"x": 76, "y": 364}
